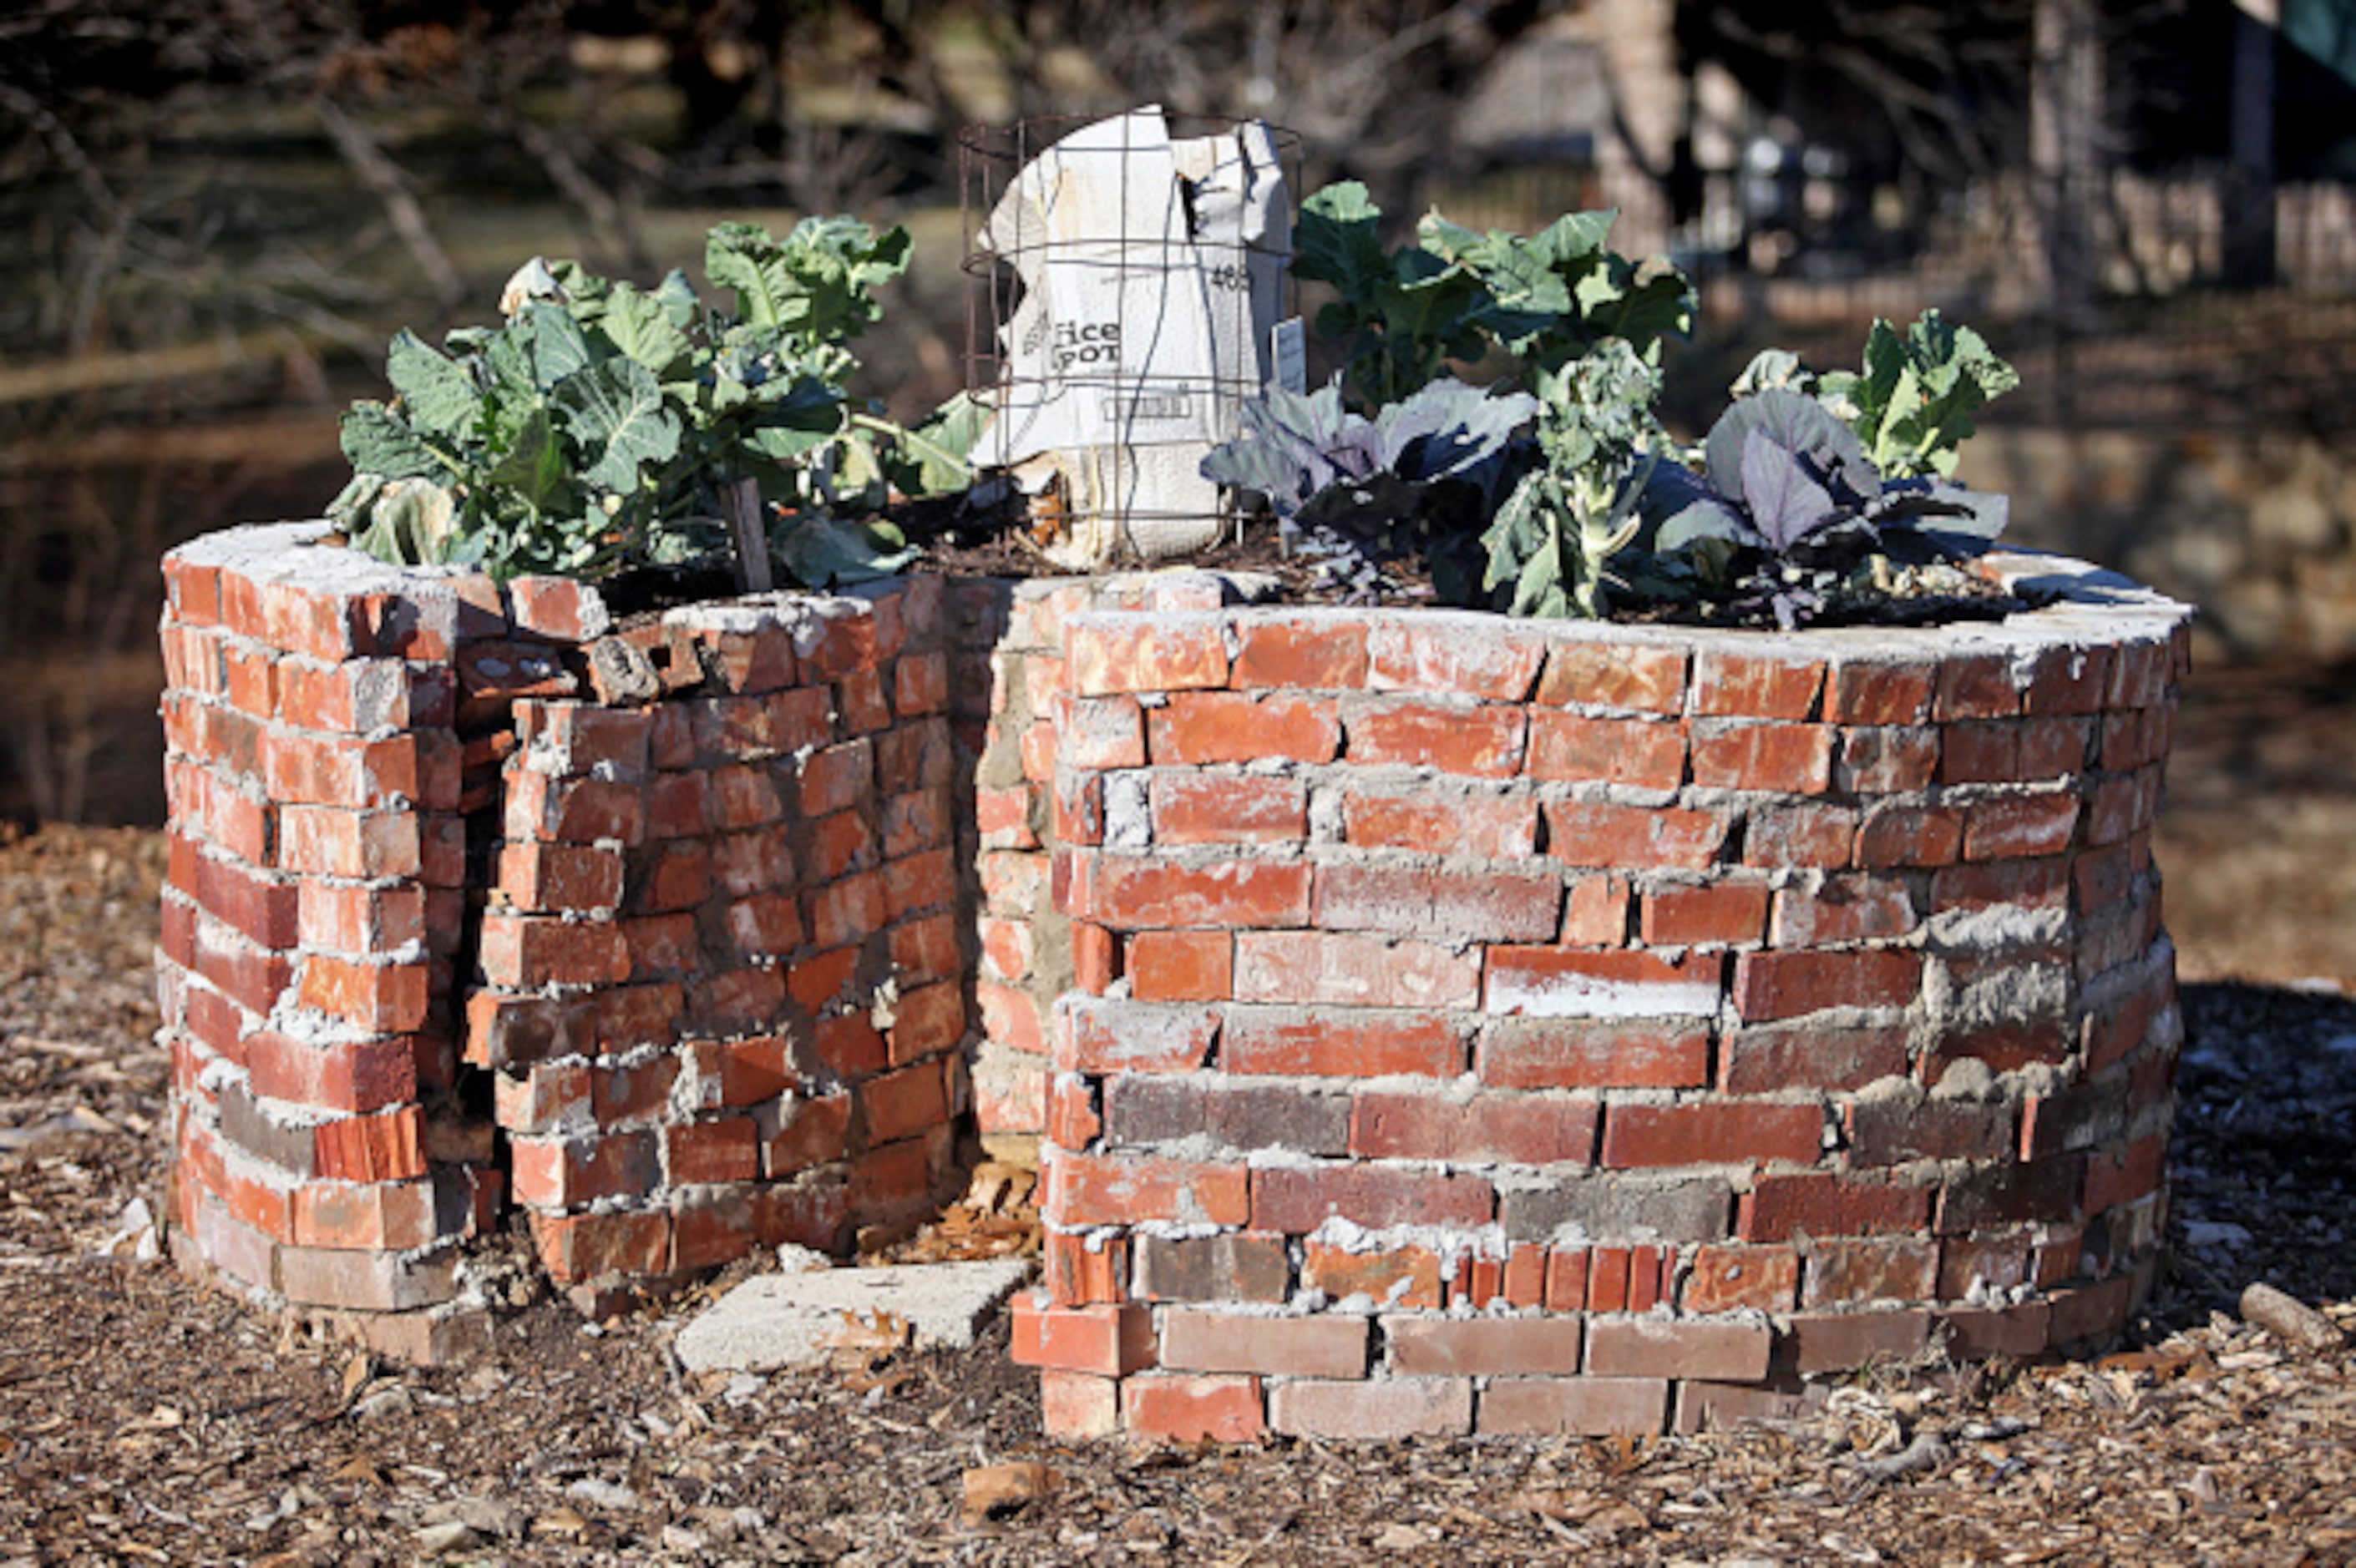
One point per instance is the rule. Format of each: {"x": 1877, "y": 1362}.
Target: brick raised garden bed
{"x": 1426, "y": 1022}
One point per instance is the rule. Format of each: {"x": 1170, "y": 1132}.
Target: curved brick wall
{"x": 1488, "y": 1027}
{"x": 1426, "y": 1022}
{"x": 480, "y": 905}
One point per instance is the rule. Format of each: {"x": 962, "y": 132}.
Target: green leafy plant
{"x": 1457, "y": 293}
{"x": 1911, "y": 404}
{"x": 599, "y": 425}
{"x": 1552, "y": 544}
{"x": 1788, "y": 507}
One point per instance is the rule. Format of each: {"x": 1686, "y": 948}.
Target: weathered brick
{"x": 1366, "y": 1044}
{"x": 1561, "y": 982}
{"x": 1796, "y": 1207}
{"x": 1637, "y": 752}
{"x": 1587, "y": 1406}
{"x": 1806, "y": 836}
{"x": 1843, "y": 1341}
{"x": 1783, "y": 985}
{"x": 1728, "y": 1279}
{"x": 1839, "y": 1273}
{"x": 1614, "y": 675}
{"x": 1470, "y": 740}
{"x": 1710, "y": 915}
{"x": 1530, "y": 1053}
{"x": 1180, "y": 965}
{"x": 1203, "y": 728}
{"x": 1841, "y": 909}
{"x": 1646, "y": 1346}
{"x": 1712, "y": 1132}
{"x": 1513, "y": 1128}
{"x": 1311, "y": 654}
{"x": 1473, "y": 656}
{"x": 1323, "y": 1345}
{"x": 1105, "y": 655}
{"x": 1787, "y": 759}
{"x": 1130, "y": 1037}
{"x": 1192, "y": 1408}
{"x": 1230, "y": 1266}
{"x": 1299, "y": 1198}
{"x": 1352, "y": 971}
{"x": 1235, "y": 808}
{"x": 1106, "y": 1340}
{"x": 1371, "y": 1412}
{"x": 1405, "y": 1277}
{"x": 1108, "y": 1189}
{"x": 1493, "y": 1347}
{"x": 1634, "y": 837}
{"x": 1488, "y": 905}
{"x": 1869, "y": 692}
{"x": 1489, "y": 827}
{"x": 1131, "y": 893}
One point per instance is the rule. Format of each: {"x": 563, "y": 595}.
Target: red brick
{"x": 1567, "y": 982}
{"x": 2031, "y": 884}
{"x": 1887, "y": 762}
{"x": 556, "y": 878}
{"x": 2113, "y": 1177}
{"x": 1106, "y": 1189}
{"x": 1583, "y": 1406}
{"x": 1320, "y": 1346}
{"x": 1341, "y": 970}
{"x": 706, "y": 1232}
{"x": 1843, "y": 1341}
{"x": 1756, "y": 686}
{"x": 1875, "y": 693}
{"x": 545, "y": 1097}
{"x": 1712, "y": 1132}
{"x": 629, "y": 1016}
{"x": 1489, "y": 905}
{"x": 1180, "y": 1408}
{"x": 1893, "y": 836}
{"x": 1197, "y": 728}
{"x": 564, "y": 1173}
{"x": 1817, "y": 1205}
{"x": 2123, "y": 808}
{"x": 726, "y": 1148}
{"x": 1894, "y": 1131}
{"x": 1484, "y": 658}
{"x": 1841, "y": 909}
{"x": 387, "y": 997}
{"x": 338, "y": 770}
{"x": 1712, "y": 914}
{"x": 1298, "y": 1200}
{"x": 1595, "y": 912}
{"x": 907, "y": 1102}
{"x": 1464, "y": 740}
{"x": 1574, "y": 1054}
{"x": 1331, "y": 1044}
{"x": 577, "y": 1247}
{"x": 1721, "y": 1350}
{"x": 1614, "y": 675}
{"x": 1489, "y": 827}
{"x": 2139, "y": 675}
{"x": 1121, "y": 1037}
{"x": 1477, "y": 1347}
{"x": 526, "y": 951}
{"x": 393, "y": 1216}
{"x": 1247, "y": 808}
{"x": 1093, "y": 733}
{"x": 2012, "y": 825}
{"x": 1077, "y": 1273}
{"x": 1790, "y": 984}
{"x": 1372, "y": 1412}
{"x": 2067, "y": 681}
{"x": 1801, "y": 835}
{"x": 1310, "y": 654}
{"x": 1634, "y": 837}
{"x": 1841, "y": 1273}
{"x": 1972, "y": 1266}
{"x": 1180, "y": 965}
{"x": 2031, "y": 1192}
{"x": 1104, "y": 655}
{"x": 1638, "y": 753}
{"x": 637, "y": 1092}
{"x": 387, "y": 1146}
{"x": 343, "y": 918}
{"x": 1130, "y": 892}
{"x": 815, "y": 1132}
{"x": 850, "y": 1045}
{"x": 1403, "y": 1277}
{"x": 1787, "y": 759}
{"x": 920, "y": 685}
{"x": 1975, "y": 685}
{"x": 1513, "y": 1129}
{"x": 1077, "y": 1408}
{"x": 1728, "y": 1279}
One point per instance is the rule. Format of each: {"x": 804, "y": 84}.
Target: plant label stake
{"x": 740, "y": 503}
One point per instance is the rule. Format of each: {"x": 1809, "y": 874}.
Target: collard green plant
{"x": 598, "y": 425}
{"x": 1457, "y": 293}
{"x": 1911, "y": 404}
{"x": 1551, "y": 545}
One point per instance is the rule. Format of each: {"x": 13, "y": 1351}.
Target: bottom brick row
{"x": 1192, "y": 1375}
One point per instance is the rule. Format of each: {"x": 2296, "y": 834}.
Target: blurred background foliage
{"x": 213, "y": 217}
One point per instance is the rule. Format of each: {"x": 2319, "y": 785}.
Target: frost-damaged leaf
{"x": 438, "y": 396}
{"x": 1335, "y": 240}
{"x": 614, "y": 414}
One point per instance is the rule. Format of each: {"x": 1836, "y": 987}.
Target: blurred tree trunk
{"x": 2250, "y": 184}
{"x": 2065, "y": 151}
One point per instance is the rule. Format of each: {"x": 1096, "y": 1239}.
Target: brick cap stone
{"x": 775, "y": 1321}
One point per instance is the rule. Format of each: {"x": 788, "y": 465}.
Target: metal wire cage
{"x": 1124, "y": 275}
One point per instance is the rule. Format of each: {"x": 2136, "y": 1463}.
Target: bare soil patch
{"x": 143, "y": 1419}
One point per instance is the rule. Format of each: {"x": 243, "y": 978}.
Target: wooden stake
{"x": 740, "y": 503}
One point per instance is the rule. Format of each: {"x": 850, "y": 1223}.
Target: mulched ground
{"x": 142, "y": 1419}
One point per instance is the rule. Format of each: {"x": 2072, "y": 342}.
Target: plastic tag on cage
{"x": 1151, "y": 272}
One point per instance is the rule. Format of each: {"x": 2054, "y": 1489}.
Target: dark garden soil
{"x": 144, "y": 1419}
